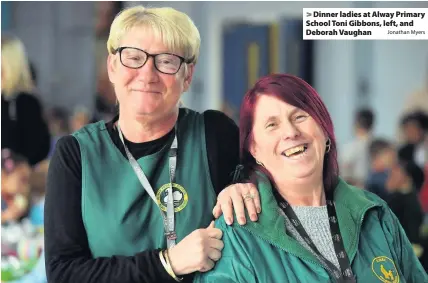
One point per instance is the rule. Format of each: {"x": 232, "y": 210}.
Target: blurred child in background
{"x": 405, "y": 180}
{"x": 382, "y": 157}
{"x": 415, "y": 128}
{"x": 15, "y": 186}
{"x": 354, "y": 157}
{"x": 24, "y": 240}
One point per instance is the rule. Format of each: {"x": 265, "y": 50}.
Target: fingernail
{"x": 253, "y": 217}
{"x": 259, "y": 210}
{"x": 228, "y": 221}
{"x": 241, "y": 220}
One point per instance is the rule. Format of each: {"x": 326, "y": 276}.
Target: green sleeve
{"x": 405, "y": 257}
{"x": 233, "y": 266}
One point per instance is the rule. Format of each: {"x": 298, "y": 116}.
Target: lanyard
{"x": 168, "y": 219}
{"x": 345, "y": 274}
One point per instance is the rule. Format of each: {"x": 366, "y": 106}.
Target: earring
{"x": 261, "y": 164}
{"x": 328, "y": 146}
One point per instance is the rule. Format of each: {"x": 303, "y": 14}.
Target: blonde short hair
{"x": 16, "y": 74}
{"x": 176, "y": 30}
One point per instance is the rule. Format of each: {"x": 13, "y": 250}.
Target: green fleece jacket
{"x": 262, "y": 251}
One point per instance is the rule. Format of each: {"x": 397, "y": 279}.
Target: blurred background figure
{"x": 403, "y": 184}
{"x": 57, "y": 119}
{"x": 415, "y": 128}
{"x": 23, "y": 127}
{"x": 23, "y": 191}
{"x": 105, "y": 98}
{"x": 382, "y": 156}
{"x": 354, "y": 157}
{"x": 81, "y": 117}
{"x": 15, "y": 186}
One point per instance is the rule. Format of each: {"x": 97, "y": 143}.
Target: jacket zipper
{"x": 275, "y": 245}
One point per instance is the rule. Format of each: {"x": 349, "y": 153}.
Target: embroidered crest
{"x": 384, "y": 269}
{"x": 179, "y": 194}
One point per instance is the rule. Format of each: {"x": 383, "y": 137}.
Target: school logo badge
{"x": 384, "y": 269}
{"x": 179, "y": 195}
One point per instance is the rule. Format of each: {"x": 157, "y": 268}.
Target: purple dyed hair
{"x": 296, "y": 92}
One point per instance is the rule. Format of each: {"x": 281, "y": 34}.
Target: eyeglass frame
{"x": 182, "y": 59}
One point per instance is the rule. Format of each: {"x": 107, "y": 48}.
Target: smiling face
{"x": 146, "y": 91}
{"x": 288, "y": 141}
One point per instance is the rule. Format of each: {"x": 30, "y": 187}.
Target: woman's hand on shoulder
{"x": 238, "y": 197}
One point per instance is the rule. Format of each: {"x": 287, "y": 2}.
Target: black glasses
{"x": 135, "y": 58}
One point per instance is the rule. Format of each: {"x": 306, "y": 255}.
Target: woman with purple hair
{"x": 314, "y": 227}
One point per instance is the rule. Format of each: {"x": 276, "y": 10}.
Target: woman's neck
{"x": 138, "y": 131}
{"x": 303, "y": 196}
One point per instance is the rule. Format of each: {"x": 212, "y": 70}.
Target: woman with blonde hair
{"x": 23, "y": 127}
{"x": 131, "y": 200}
